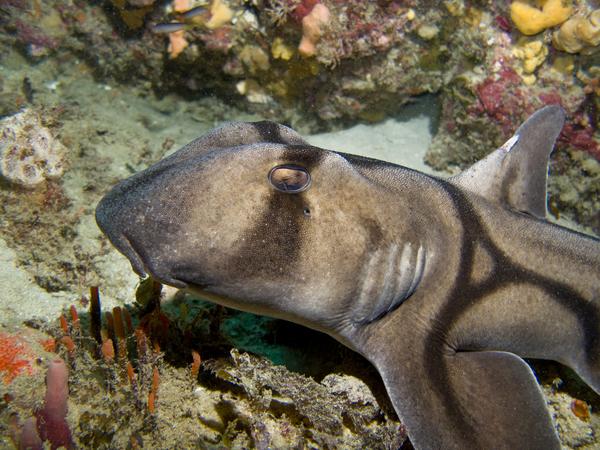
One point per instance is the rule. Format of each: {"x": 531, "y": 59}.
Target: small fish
{"x": 186, "y": 19}
{"x": 166, "y": 28}
{"x": 194, "y": 12}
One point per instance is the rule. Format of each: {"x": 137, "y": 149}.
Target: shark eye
{"x": 289, "y": 178}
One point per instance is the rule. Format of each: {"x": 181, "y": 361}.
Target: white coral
{"x": 29, "y": 153}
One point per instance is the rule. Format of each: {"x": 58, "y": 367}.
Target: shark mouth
{"x": 142, "y": 263}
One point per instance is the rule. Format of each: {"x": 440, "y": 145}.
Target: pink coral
{"x": 29, "y": 438}
{"x": 177, "y": 43}
{"x": 503, "y": 98}
{"x": 51, "y": 419}
{"x": 312, "y": 29}
{"x": 578, "y": 132}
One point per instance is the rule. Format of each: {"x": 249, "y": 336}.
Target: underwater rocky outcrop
{"x": 313, "y": 64}
{"x": 321, "y": 64}
{"x": 520, "y": 72}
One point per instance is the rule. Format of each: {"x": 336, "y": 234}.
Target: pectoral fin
{"x": 477, "y": 400}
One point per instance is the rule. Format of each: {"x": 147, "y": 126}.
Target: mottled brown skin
{"x": 442, "y": 284}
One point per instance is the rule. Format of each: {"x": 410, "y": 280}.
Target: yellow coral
{"x": 280, "y": 50}
{"x": 279, "y": 88}
{"x": 474, "y": 17}
{"x": 254, "y": 58}
{"x": 530, "y": 19}
{"x": 564, "y": 64}
{"x": 532, "y": 54}
{"x": 580, "y": 34}
{"x": 427, "y": 32}
{"x": 456, "y": 8}
{"x": 220, "y": 14}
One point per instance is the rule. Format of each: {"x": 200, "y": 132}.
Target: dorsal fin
{"x": 516, "y": 173}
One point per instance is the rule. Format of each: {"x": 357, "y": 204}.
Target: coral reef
{"x": 484, "y": 104}
{"x": 124, "y": 389}
{"x": 29, "y": 152}
{"x": 355, "y": 61}
{"x": 362, "y": 54}
{"x": 503, "y": 100}
{"x": 579, "y": 34}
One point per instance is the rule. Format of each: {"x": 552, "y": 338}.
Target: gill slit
{"x": 388, "y": 278}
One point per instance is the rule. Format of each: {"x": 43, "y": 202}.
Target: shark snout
{"x": 142, "y": 264}
{"x": 120, "y": 220}
{"x": 110, "y": 221}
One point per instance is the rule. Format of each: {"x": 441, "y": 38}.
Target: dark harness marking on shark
{"x": 270, "y": 132}
{"x": 282, "y": 222}
{"x": 465, "y": 294}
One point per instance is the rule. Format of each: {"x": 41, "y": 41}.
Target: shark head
{"x": 251, "y": 214}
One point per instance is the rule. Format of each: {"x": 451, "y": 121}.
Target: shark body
{"x": 442, "y": 284}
